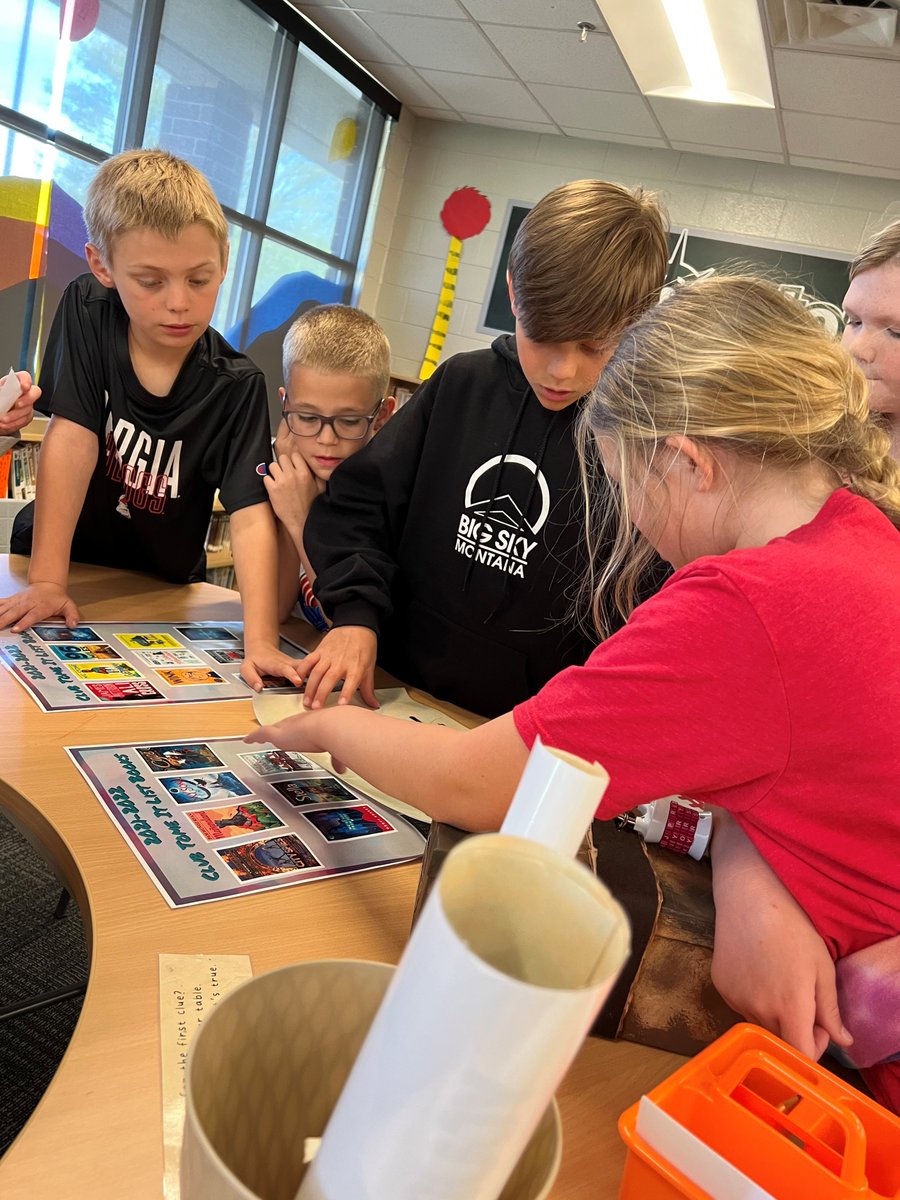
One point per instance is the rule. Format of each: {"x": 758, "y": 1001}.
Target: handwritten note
{"x": 190, "y": 986}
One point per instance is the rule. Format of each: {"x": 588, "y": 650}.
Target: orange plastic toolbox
{"x": 790, "y": 1126}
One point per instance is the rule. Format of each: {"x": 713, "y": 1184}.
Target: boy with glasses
{"x": 337, "y": 366}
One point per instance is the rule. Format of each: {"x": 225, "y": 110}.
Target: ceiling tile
{"x": 509, "y": 123}
{"x": 405, "y": 83}
{"x": 769, "y": 156}
{"x": 829, "y": 164}
{"x": 485, "y": 97}
{"x": 726, "y": 125}
{"x": 838, "y": 85}
{"x": 352, "y": 34}
{"x": 540, "y": 56}
{"x": 538, "y": 14}
{"x": 843, "y": 139}
{"x": 437, "y": 114}
{"x": 601, "y": 112}
{"x": 431, "y": 42}
{"x": 420, "y": 8}
{"x": 629, "y": 139}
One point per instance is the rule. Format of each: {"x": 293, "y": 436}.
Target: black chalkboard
{"x": 818, "y": 281}
{"x": 496, "y": 315}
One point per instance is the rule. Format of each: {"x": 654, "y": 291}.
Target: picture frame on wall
{"x": 817, "y": 278}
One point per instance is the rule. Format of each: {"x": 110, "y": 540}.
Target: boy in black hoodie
{"x": 451, "y": 545}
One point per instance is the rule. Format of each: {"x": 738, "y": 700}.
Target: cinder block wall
{"x": 427, "y": 160}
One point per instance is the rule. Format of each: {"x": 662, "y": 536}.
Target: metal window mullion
{"x": 36, "y": 130}
{"x": 358, "y": 205}
{"x": 271, "y": 127}
{"x": 137, "y": 80}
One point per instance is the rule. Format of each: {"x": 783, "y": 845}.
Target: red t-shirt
{"x": 765, "y": 681}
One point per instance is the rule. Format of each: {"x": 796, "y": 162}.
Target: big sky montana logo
{"x": 500, "y": 531}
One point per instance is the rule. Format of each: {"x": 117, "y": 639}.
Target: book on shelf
{"x": 402, "y": 393}
{"x": 22, "y": 471}
{"x": 218, "y": 537}
{"x": 5, "y": 464}
{"x": 221, "y": 576}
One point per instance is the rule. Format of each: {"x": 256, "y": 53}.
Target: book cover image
{"x": 104, "y": 670}
{"x": 179, "y": 756}
{"x": 324, "y": 789}
{"x": 83, "y": 652}
{"x": 189, "y": 789}
{"x": 278, "y": 762}
{"x": 129, "y": 691}
{"x": 274, "y": 856}
{"x": 179, "y": 663}
{"x": 206, "y": 825}
{"x": 218, "y": 823}
{"x": 338, "y": 824}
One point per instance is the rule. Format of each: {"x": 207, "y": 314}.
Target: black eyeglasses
{"x": 349, "y": 429}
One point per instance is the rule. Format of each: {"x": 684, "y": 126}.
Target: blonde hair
{"x": 588, "y": 258}
{"x": 150, "y": 189}
{"x": 731, "y": 361}
{"x": 881, "y": 248}
{"x": 338, "y": 340}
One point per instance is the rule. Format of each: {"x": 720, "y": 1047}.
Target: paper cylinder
{"x": 513, "y": 954}
{"x": 266, "y": 1068}
{"x": 556, "y": 799}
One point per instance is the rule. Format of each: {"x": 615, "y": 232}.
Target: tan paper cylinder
{"x": 514, "y": 952}
{"x": 265, "y": 1071}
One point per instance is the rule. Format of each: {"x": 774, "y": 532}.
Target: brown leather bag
{"x": 664, "y": 996}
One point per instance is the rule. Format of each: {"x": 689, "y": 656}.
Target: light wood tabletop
{"x": 97, "y": 1132}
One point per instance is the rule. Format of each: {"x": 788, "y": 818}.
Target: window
{"x": 286, "y": 128}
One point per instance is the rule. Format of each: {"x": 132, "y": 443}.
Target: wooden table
{"x": 97, "y": 1131}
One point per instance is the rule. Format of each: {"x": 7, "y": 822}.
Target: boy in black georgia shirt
{"x": 151, "y": 409}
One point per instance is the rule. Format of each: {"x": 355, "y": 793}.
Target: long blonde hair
{"x": 728, "y": 360}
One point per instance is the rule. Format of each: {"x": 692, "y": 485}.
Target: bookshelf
{"x": 402, "y": 387}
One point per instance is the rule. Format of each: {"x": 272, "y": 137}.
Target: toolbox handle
{"x": 853, "y": 1160}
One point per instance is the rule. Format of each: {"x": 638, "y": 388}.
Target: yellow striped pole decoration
{"x": 464, "y": 214}
{"x": 441, "y": 320}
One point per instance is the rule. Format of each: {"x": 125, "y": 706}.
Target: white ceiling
{"x": 520, "y": 64}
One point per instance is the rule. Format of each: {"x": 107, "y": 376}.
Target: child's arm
{"x": 255, "y": 547}
{"x": 67, "y": 460}
{"x": 292, "y": 487}
{"x": 466, "y": 778}
{"x": 769, "y": 963}
{"x": 351, "y": 538}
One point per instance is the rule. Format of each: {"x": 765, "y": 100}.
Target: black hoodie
{"x": 457, "y": 535}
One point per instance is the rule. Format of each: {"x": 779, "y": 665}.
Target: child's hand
{"x": 306, "y": 731}
{"x": 347, "y": 653}
{"x": 22, "y": 411}
{"x": 264, "y": 659}
{"x": 37, "y": 602}
{"x": 292, "y": 487}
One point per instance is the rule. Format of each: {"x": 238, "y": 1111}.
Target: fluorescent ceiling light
{"x": 708, "y": 50}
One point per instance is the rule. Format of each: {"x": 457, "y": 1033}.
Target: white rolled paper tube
{"x": 556, "y": 799}
{"x": 514, "y": 952}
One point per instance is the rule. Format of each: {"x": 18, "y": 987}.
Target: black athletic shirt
{"x": 161, "y": 459}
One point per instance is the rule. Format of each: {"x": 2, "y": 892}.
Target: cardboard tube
{"x": 556, "y": 799}
{"x": 513, "y": 954}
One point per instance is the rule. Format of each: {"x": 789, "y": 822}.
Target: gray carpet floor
{"x": 38, "y": 953}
